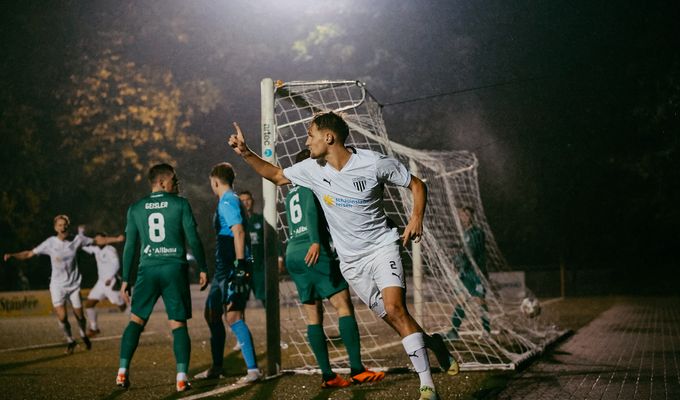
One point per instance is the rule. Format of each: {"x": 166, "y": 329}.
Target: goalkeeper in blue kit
{"x": 161, "y": 222}
{"x": 231, "y": 286}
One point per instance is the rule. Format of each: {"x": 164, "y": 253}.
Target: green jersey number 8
{"x": 295, "y": 209}
{"x": 156, "y": 227}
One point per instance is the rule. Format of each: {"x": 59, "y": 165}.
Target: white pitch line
{"x": 226, "y": 389}
{"x": 43, "y": 346}
{"x": 214, "y": 392}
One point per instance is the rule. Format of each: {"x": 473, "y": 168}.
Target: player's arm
{"x": 239, "y": 241}
{"x": 131, "y": 236}
{"x": 414, "y": 228}
{"x": 194, "y": 240}
{"x": 312, "y": 221}
{"x": 265, "y": 169}
{"x": 20, "y": 255}
{"x": 103, "y": 241}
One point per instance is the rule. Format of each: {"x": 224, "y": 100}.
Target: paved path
{"x": 631, "y": 351}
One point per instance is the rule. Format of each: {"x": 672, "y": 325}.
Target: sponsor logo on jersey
{"x": 359, "y": 184}
{"x": 327, "y": 181}
{"x": 164, "y": 250}
{"x": 300, "y": 230}
{"x": 156, "y": 206}
{"x": 343, "y": 201}
{"x": 149, "y": 251}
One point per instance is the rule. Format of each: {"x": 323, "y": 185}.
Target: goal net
{"x": 492, "y": 330}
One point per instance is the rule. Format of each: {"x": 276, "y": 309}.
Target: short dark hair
{"x": 159, "y": 170}
{"x": 333, "y": 122}
{"x": 246, "y": 192}
{"x": 468, "y": 209}
{"x": 224, "y": 172}
{"x": 102, "y": 234}
{"x": 302, "y": 155}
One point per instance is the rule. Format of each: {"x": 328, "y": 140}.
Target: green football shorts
{"x": 171, "y": 281}
{"x": 320, "y": 281}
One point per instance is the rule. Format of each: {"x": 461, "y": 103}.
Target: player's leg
{"x": 317, "y": 341}
{"x": 96, "y": 294}
{"x": 128, "y": 346}
{"x": 413, "y": 338}
{"x": 214, "y": 310}
{"x": 114, "y": 297}
{"x": 145, "y": 296}
{"x": 74, "y": 298}
{"x": 349, "y": 332}
{"x": 479, "y": 295}
{"x": 304, "y": 279}
{"x": 91, "y": 313}
{"x": 174, "y": 285}
{"x": 58, "y": 302}
{"x": 379, "y": 281}
{"x": 181, "y": 346}
{"x": 486, "y": 322}
{"x": 456, "y": 321}
{"x": 245, "y": 340}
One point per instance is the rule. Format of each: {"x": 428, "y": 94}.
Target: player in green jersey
{"x": 161, "y": 222}
{"x": 255, "y": 228}
{"x": 313, "y": 266}
{"x": 474, "y": 241}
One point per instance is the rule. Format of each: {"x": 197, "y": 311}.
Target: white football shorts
{"x": 369, "y": 274}
{"x": 101, "y": 291}
{"x": 62, "y": 293}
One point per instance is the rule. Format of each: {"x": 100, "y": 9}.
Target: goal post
{"x": 493, "y": 334}
{"x": 268, "y": 138}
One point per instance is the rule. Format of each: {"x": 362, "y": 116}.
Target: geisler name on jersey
{"x": 156, "y": 206}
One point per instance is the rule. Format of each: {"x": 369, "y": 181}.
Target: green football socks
{"x": 349, "y": 332}
{"x": 317, "y": 341}
{"x": 129, "y": 342}
{"x": 182, "y": 347}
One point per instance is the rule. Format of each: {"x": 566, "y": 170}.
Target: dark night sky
{"x": 574, "y": 117}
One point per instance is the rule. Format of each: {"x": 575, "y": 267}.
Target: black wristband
{"x": 241, "y": 264}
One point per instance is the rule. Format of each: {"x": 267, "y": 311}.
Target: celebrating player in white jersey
{"x": 349, "y": 185}
{"x": 65, "y": 280}
{"x": 108, "y": 264}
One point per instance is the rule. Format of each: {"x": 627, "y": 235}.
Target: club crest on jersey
{"x": 359, "y": 184}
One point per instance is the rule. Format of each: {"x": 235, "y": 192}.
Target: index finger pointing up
{"x": 239, "y": 134}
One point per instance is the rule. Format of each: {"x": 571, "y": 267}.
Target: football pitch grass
{"x": 33, "y": 364}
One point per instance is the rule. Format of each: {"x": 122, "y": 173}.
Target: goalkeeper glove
{"x": 239, "y": 282}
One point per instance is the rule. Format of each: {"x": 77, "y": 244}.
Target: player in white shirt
{"x": 349, "y": 185}
{"x": 65, "y": 279}
{"x": 108, "y": 264}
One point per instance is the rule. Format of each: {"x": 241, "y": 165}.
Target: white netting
{"x": 451, "y": 177}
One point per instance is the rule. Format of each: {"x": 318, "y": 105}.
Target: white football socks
{"x": 92, "y": 317}
{"x": 414, "y": 344}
